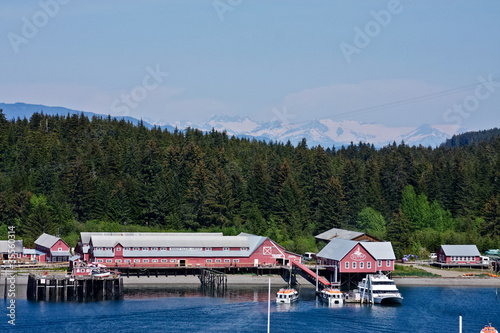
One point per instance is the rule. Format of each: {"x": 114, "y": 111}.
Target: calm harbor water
{"x": 244, "y": 309}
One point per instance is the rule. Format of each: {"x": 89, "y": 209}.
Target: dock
{"x": 66, "y": 288}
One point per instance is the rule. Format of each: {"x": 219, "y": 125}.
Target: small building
{"x": 357, "y": 257}
{"x": 459, "y": 255}
{"x": 186, "y": 250}
{"x": 6, "y": 249}
{"x": 33, "y": 255}
{"x": 345, "y": 234}
{"x": 54, "y": 248}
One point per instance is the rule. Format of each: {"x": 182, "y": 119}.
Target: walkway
{"x": 311, "y": 274}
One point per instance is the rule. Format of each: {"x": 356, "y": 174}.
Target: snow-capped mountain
{"x": 326, "y": 132}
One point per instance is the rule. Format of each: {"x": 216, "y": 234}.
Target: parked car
{"x": 307, "y": 256}
{"x": 433, "y": 256}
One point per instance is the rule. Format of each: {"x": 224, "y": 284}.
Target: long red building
{"x": 182, "y": 250}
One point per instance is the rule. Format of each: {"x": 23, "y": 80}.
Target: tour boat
{"x": 489, "y": 329}
{"x": 332, "y": 296}
{"x": 287, "y": 295}
{"x": 378, "y": 288}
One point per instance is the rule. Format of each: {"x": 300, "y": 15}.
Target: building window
{"x": 227, "y": 260}
{"x": 118, "y": 260}
{"x": 59, "y": 249}
{"x": 154, "y": 260}
{"x": 99, "y": 260}
{"x": 208, "y": 249}
{"x": 217, "y": 260}
{"x": 244, "y": 248}
{"x": 361, "y": 265}
{"x": 173, "y": 260}
{"x": 347, "y": 265}
{"x": 137, "y": 248}
{"x": 380, "y": 263}
{"x": 163, "y": 248}
{"x": 109, "y": 260}
{"x": 209, "y": 260}
{"x": 145, "y": 248}
{"x": 369, "y": 265}
{"x": 236, "y": 260}
{"x": 126, "y": 248}
{"x": 118, "y": 249}
{"x": 137, "y": 260}
{"x": 388, "y": 263}
{"x": 127, "y": 260}
{"x": 145, "y": 260}
{"x": 225, "y": 248}
{"x": 353, "y": 265}
{"x": 164, "y": 260}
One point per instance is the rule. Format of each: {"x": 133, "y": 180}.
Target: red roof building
{"x": 54, "y": 248}
{"x": 184, "y": 250}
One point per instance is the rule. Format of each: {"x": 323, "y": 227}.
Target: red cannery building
{"x": 54, "y": 248}
{"x": 185, "y": 250}
{"x": 353, "y": 259}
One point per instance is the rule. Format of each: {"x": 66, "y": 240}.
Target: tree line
{"x": 66, "y": 174}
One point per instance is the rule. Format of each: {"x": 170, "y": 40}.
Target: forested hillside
{"x": 472, "y": 137}
{"x": 72, "y": 174}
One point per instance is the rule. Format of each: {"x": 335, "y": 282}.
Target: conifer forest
{"x": 67, "y": 174}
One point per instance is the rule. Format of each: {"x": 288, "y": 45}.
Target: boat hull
{"x": 388, "y": 300}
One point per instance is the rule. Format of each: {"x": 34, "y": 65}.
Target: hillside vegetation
{"x": 69, "y": 173}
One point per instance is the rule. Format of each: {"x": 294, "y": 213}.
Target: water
{"x": 244, "y": 309}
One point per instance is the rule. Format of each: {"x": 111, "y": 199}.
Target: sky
{"x": 394, "y": 62}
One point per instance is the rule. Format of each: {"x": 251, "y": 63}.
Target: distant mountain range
{"x": 325, "y": 132}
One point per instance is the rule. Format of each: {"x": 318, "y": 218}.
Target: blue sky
{"x": 246, "y": 58}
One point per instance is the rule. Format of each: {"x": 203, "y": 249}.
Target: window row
{"x": 354, "y": 264}
{"x": 463, "y": 258}
{"x": 158, "y": 260}
{"x": 161, "y": 249}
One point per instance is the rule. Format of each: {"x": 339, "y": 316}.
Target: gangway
{"x": 311, "y": 274}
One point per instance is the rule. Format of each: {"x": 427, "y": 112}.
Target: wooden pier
{"x": 66, "y": 288}
{"x": 213, "y": 279}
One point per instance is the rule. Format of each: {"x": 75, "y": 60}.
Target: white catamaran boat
{"x": 332, "y": 296}
{"x": 378, "y": 288}
{"x": 288, "y": 295}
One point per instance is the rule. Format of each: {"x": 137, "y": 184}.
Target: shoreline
{"x": 238, "y": 280}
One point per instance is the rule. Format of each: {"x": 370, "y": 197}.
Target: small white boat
{"x": 100, "y": 273}
{"x": 332, "y": 296}
{"x": 378, "y": 288}
{"x": 288, "y": 295}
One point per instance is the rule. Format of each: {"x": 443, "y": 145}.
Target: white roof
{"x": 340, "y": 233}
{"x": 380, "y": 250}
{"x": 85, "y": 236}
{"x": 169, "y": 240}
{"x": 46, "y": 240}
{"x": 460, "y": 250}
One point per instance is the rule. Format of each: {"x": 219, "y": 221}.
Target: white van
{"x": 485, "y": 260}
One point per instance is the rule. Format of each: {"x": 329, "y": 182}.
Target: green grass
{"x": 400, "y": 270}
